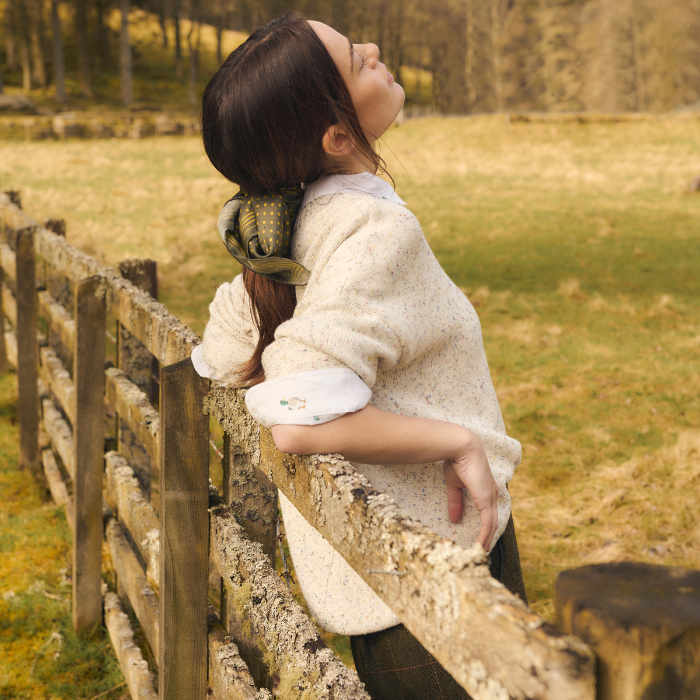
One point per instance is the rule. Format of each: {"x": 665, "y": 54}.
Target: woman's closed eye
{"x": 363, "y": 60}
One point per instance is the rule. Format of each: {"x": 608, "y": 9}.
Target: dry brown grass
{"x": 577, "y": 243}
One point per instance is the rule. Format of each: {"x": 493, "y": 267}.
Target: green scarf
{"x": 257, "y": 231}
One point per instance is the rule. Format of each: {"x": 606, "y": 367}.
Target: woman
{"x": 349, "y": 333}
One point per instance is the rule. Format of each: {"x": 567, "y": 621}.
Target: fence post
{"x": 184, "y": 534}
{"x": 140, "y": 366}
{"x": 27, "y": 351}
{"x": 88, "y": 437}
{"x": 253, "y": 499}
{"x": 3, "y": 351}
{"x": 643, "y": 623}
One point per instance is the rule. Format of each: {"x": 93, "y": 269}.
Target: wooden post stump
{"x": 3, "y": 351}
{"x": 184, "y": 534}
{"x": 642, "y": 621}
{"x": 88, "y": 438}
{"x": 27, "y": 350}
{"x": 253, "y": 498}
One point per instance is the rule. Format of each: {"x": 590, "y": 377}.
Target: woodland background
{"x": 456, "y": 56}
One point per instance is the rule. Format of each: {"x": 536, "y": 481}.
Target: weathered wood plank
{"x": 61, "y": 436}
{"x": 135, "y": 409}
{"x": 642, "y": 621}
{"x": 8, "y": 261}
{"x": 58, "y": 319}
{"x": 133, "y": 581}
{"x": 126, "y": 499}
{"x": 253, "y": 499}
{"x": 442, "y": 593}
{"x": 57, "y": 378}
{"x": 277, "y": 619}
{"x": 163, "y": 334}
{"x": 58, "y": 489}
{"x": 184, "y": 527}
{"x": 134, "y": 667}
{"x": 11, "y": 348}
{"x": 133, "y": 357}
{"x": 9, "y": 305}
{"x": 229, "y": 677}
{"x": 3, "y": 348}
{"x": 88, "y": 435}
{"x": 27, "y": 350}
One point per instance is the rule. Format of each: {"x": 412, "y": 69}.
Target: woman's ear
{"x": 336, "y": 142}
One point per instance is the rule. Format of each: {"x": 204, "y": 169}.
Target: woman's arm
{"x": 373, "y": 436}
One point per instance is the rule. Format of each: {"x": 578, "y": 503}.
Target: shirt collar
{"x": 356, "y": 183}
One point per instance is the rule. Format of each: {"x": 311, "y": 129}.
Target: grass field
{"x": 577, "y": 243}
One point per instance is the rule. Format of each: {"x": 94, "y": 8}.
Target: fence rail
{"x": 129, "y": 458}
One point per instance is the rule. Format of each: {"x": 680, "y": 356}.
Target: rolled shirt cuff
{"x": 307, "y": 398}
{"x": 200, "y": 366}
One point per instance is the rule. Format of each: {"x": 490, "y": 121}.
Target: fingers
{"x": 455, "y": 501}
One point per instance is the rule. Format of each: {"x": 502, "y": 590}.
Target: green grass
{"x": 577, "y": 244}
{"x": 40, "y": 654}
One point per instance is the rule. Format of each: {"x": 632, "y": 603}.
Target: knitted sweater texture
{"x": 379, "y": 303}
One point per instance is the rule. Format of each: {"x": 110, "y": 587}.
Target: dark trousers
{"x": 394, "y": 665}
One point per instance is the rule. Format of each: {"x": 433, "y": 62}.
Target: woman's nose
{"x": 372, "y": 53}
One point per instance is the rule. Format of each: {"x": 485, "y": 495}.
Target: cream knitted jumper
{"x": 378, "y": 306}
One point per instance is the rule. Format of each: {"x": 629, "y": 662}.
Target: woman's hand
{"x": 471, "y": 471}
{"x": 373, "y": 436}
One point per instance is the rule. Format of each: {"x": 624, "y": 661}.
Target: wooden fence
{"x": 124, "y": 444}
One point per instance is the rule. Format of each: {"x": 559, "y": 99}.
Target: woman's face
{"x": 377, "y": 98}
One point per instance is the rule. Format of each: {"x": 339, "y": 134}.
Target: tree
{"x": 126, "y": 82}
{"x": 561, "y": 82}
{"x": 59, "y": 68}
{"x": 82, "y": 40}
{"x": 35, "y": 16}
{"x": 193, "y": 43}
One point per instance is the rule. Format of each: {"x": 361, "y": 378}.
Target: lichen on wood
{"x": 9, "y": 305}
{"x": 125, "y": 498}
{"x": 228, "y": 407}
{"x": 11, "y": 348}
{"x": 308, "y": 670}
{"x": 229, "y": 676}
{"x": 8, "y": 261}
{"x": 138, "y": 678}
{"x": 58, "y": 489}
{"x": 57, "y": 378}
{"x": 134, "y": 407}
{"x": 445, "y": 592}
{"x": 61, "y": 435}
{"x": 131, "y": 577}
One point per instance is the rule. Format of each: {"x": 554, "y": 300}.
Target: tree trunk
{"x": 178, "y": 39}
{"x": 193, "y": 41}
{"x": 59, "y": 68}
{"x": 219, "y": 36}
{"x": 496, "y": 56}
{"x": 22, "y": 25}
{"x": 469, "y": 60}
{"x": 639, "y": 101}
{"x": 10, "y": 35}
{"x": 125, "y": 68}
{"x": 81, "y": 35}
{"x": 164, "y": 15}
{"x": 36, "y": 42}
{"x": 103, "y": 49}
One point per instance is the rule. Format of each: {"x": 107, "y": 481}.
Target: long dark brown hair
{"x": 264, "y": 115}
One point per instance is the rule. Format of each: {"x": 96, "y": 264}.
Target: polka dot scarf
{"x": 257, "y": 231}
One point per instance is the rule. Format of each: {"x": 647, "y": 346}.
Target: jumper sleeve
{"x": 230, "y": 336}
{"x": 349, "y": 323}
{"x": 308, "y": 398}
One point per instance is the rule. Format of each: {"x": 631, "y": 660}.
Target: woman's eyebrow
{"x": 352, "y": 56}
